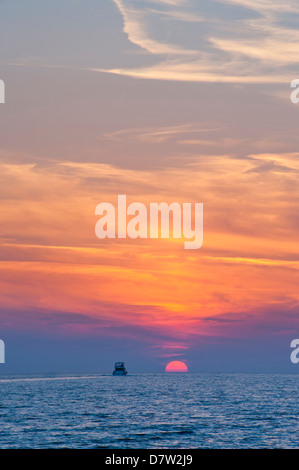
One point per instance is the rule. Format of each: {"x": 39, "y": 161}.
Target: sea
{"x": 150, "y": 411}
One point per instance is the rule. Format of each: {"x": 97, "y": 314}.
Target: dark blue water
{"x": 150, "y": 411}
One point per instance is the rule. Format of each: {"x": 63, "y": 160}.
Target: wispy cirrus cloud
{"x": 136, "y": 27}
{"x": 266, "y": 5}
{"x": 231, "y": 40}
{"x": 159, "y": 134}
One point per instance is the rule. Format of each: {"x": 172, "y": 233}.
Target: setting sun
{"x": 176, "y": 366}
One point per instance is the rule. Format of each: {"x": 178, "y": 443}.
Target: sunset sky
{"x": 163, "y": 101}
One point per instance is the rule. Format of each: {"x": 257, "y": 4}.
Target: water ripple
{"x": 150, "y": 411}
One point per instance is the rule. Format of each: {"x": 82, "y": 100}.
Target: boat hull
{"x": 120, "y": 372}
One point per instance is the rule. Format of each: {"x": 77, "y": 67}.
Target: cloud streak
{"x": 255, "y": 44}
{"x": 135, "y": 26}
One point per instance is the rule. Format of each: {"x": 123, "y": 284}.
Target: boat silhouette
{"x": 119, "y": 369}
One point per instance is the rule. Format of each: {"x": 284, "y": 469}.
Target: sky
{"x": 163, "y": 101}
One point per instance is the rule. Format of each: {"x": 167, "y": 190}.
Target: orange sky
{"x": 52, "y": 260}
{"x": 167, "y": 102}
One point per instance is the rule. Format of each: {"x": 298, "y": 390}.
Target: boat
{"x": 119, "y": 369}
